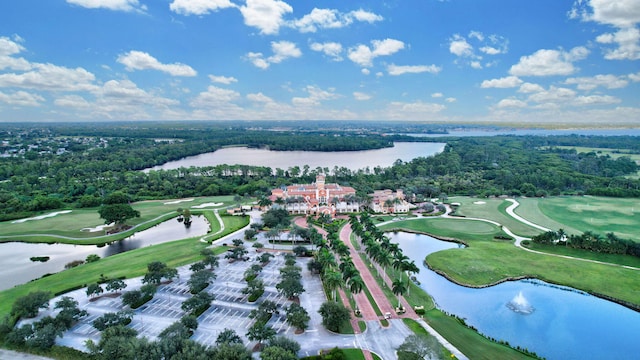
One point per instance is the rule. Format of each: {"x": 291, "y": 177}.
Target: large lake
{"x": 564, "y": 324}
{"x": 353, "y": 160}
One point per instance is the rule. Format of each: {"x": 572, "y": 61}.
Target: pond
{"x": 17, "y": 268}
{"x": 352, "y": 160}
{"x": 554, "y": 321}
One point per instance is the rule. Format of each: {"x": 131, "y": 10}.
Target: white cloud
{"x": 266, "y": 15}
{"x": 50, "y": 77}
{"x": 412, "y": 69}
{"x": 21, "y": 98}
{"x": 619, "y": 13}
{"x": 553, "y": 95}
{"x": 549, "y": 62}
{"x": 590, "y": 83}
{"x": 365, "y": 16}
{"x": 459, "y": 46}
{"x": 505, "y": 82}
{"x": 72, "y": 101}
{"x": 258, "y": 60}
{"x": 477, "y": 35}
{"x": 316, "y": 96}
{"x": 476, "y": 64}
{"x": 282, "y": 50}
{"x": 365, "y": 71}
{"x": 331, "y": 49}
{"x": 8, "y": 48}
{"x": 450, "y": 99}
{"x": 138, "y": 60}
{"x": 511, "y": 103}
{"x": 214, "y": 97}
{"x": 199, "y": 7}
{"x": 332, "y": 19}
{"x": 361, "y": 96}
{"x": 595, "y": 100}
{"x": 437, "y": 95}
{"x": 628, "y": 42}
{"x": 634, "y": 77}
{"x": 259, "y": 98}
{"x": 363, "y": 55}
{"x": 118, "y": 99}
{"x": 528, "y": 88}
{"x": 489, "y": 50}
{"x": 222, "y": 79}
{"x": 117, "y": 5}
{"x": 411, "y": 110}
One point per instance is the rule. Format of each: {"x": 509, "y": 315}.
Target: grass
{"x": 175, "y": 253}
{"x": 486, "y": 261}
{"x": 492, "y": 209}
{"x": 577, "y": 214}
{"x": 463, "y": 229}
{"x": 71, "y": 224}
{"x": 353, "y": 354}
{"x": 419, "y": 330}
{"x": 469, "y": 341}
{"x": 626, "y": 260}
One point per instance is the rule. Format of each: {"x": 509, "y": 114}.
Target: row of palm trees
{"x": 383, "y": 253}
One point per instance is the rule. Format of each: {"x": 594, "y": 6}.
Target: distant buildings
{"x": 317, "y": 198}
{"x": 387, "y": 201}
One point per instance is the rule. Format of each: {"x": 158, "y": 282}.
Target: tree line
{"x": 590, "y": 241}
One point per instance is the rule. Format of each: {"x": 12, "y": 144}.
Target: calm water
{"x": 566, "y": 324}
{"x": 18, "y": 269}
{"x": 352, "y": 160}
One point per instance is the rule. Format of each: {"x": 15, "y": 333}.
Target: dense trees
{"x": 590, "y": 241}
{"x": 334, "y": 315}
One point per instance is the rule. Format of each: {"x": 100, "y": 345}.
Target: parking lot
{"x": 229, "y": 310}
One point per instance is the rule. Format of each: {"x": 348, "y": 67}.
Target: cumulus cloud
{"x": 332, "y": 19}
{"x": 259, "y": 98}
{"x": 619, "y": 13}
{"x": 331, "y": 49}
{"x": 21, "y": 98}
{"x": 528, "y": 88}
{"x": 282, "y": 50}
{"x": 596, "y": 100}
{"x": 363, "y": 55}
{"x": 116, "y": 5}
{"x": 72, "y": 101}
{"x": 412, "y": 110}
{"x": 266, "y": 15}
{"x": 214, "y": 96}
{"x": 8, "y": 48}
{"x": 51, "y": 78}
{"x": 199, "y": 7}
{"x": 138, "y": 60}
{"x": 511, "y": 103}
{"x": 505, "y": 82}
{"x": 627, "y": 41}
{"x": 590, "y": 83}
{"x": 437, "y": 95}
{"x": 361, "y": 96}
{"x": 412, "y": 69}
{"x": 463, "y": 48}
{"x": 459, "y": 46}
{"x": 222, "y": 79}
{"x": 316, "y": 96}
{"x": 546, "y": 62}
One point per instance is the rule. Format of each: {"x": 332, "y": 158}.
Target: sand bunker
{"x": 97, "y": 228}
{"x": 479, "y": 202}
{"x": 178, "y": 201}
{"x": 41, "y": 216}
{"x": 206, "y": 205}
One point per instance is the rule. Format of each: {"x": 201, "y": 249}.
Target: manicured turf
{"x": 626, "y": 260}
{"x": 487, "y": 261}
{"x": 460, "y": 228}
{"x": 71, "y": 224}
{"x": 468, "y": 341}
{"x": 576, "y": 214}
{"x": 492, "y": 209}
{"x": 175, "y": 253}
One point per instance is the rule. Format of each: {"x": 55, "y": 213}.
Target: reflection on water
{"x": 18, "y": 269}
{"x": 352, "y": 160}
{"x": 566, "y": 323}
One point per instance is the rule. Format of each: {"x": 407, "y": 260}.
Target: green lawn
{"x": 487, "y": 261}
{"x": 492, "y": 209}
{"x": 72, "y": 224}
{"x": 128, "y": 264}
{"x": 577, "y": 214}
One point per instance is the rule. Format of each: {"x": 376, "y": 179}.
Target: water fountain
{"x": 520, "y": 305}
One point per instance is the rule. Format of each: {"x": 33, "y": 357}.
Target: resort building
{"x": 317, "y": 198}
{"x": 387, "y": 201}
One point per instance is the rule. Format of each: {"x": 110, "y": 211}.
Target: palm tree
{"x": 332, "y": 280}
{"x": 399, "y": 262}
{"x": 264, "y": 202}
{"x": 398, "y": 289}
{"x": 384, "y": 259}
{"x": 410, "y": 267}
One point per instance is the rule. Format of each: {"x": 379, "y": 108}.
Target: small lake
{"x": 353, "y": 160}
{"x": 17, "y": 268}
{"x": 565, "y": 323}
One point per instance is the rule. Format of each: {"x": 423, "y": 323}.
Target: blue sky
{"x": 505, "y": 61}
